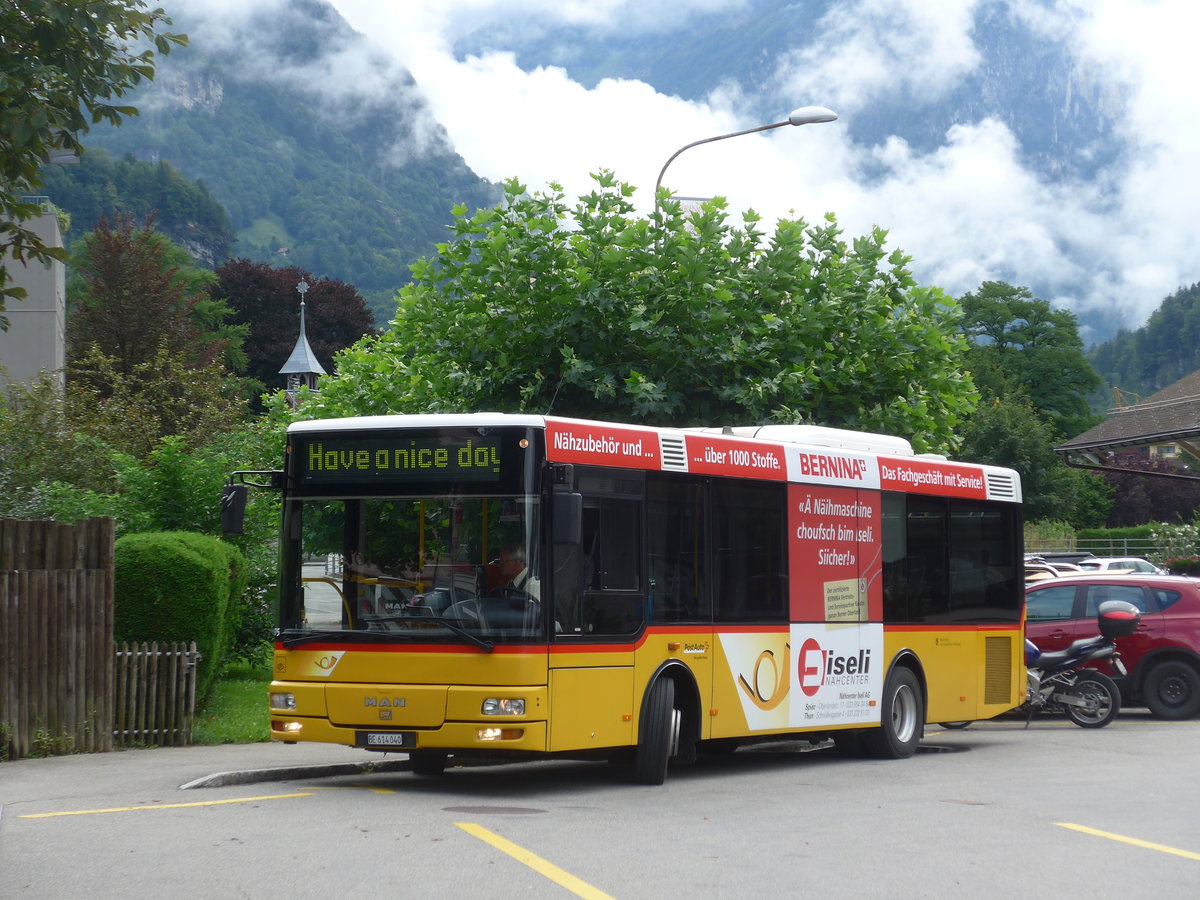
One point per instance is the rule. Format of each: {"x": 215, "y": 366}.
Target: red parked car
{"x": 1162, "y": 656}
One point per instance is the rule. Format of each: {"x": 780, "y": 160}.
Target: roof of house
{"x": 1172, "y": 414}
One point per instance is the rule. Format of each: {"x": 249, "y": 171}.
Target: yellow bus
{"x": 524, "y": 586}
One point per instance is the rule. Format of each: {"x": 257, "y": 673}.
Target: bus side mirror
{"x": 567, "y": 517}
{"x": 233, "y": 508}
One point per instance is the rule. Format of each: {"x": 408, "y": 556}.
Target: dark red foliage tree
{"x": 132, "y": 296}
{"x": 1139, "y": 499}
{"x": 266, "y": 299}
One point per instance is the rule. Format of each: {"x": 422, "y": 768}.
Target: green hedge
{"x": 1188, "y": 565}
{"x": 178, "y": 586}
{"x": 1132, "y": 532}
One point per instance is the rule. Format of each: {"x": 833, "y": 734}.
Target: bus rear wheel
{"x": 903, "y": 717}
{"x": 658, "y": 732}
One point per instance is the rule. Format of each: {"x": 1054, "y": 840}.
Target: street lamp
{"x": 805, "y": 115}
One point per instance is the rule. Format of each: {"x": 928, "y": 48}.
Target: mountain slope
{"x": 1156, "y": 355}
{"x": 352, "y": 186}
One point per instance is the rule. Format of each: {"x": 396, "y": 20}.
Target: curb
{"x": 253, "y": 776}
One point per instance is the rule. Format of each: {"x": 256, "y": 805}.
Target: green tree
{"x": 131, "y": 408}
{"x": 1022, "y": 348}
{"x": 264, "y": 300}
{"x": 133, "y": 289}
{"x": 1011, "y": 433}
{"x": 679, "y": 320}
{"x": 61, "y": 63}
{"x": 39, "y": 446}
{"x": 1028, "y": 362}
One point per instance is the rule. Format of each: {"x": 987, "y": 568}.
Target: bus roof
{"x": 789, "y": 452}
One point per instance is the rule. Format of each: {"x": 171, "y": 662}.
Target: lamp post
{"x": 805, "y": 115}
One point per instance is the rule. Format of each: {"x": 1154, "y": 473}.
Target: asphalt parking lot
{"x": 991, "y": 810}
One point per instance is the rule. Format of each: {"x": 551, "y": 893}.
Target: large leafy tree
{"x": 62, "y": 62}
{"x": 1011, "y": 433}
{"x": 682, "y": 319}
{"x": 134, "y": 290}
{"x": 264, "y": 299}
{"x": 1022, "y": 348}
{"x": 148, "y": 350}
{"x": 1027, "y": 361}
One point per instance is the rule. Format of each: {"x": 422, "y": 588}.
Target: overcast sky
{"x": 966, "y": 211}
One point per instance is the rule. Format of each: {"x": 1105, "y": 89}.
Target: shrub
{"x": 1187, "y": 565}
{"x": 178, "y": 586}
{"x": 1176, "y": 541}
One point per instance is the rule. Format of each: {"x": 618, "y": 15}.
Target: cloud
{"x": 870, "y": 51}
{"x": 967, "y": 210}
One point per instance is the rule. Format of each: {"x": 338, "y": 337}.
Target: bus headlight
{"x": 500, "y": 734}
{"x": 283, "y": 701}
{"x": 504, "y": 706}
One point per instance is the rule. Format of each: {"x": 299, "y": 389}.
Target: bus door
{"x": 599, "y": 610}
{"x": 679, "y": 587}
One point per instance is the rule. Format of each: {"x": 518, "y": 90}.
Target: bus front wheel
{"x": 656, "y": 734}
{"x": 903, "y": 718}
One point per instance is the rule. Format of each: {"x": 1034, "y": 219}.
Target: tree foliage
{"x": 1022, "y": 348}
{"x": 131, "y": 408}
{"x": 133, "y": 290}
{"x": 148, "y": 350}
{"x": 38, "y": 446}
{"x": 683, "y": 319}
{"x": 1012, "y": 433}
{"x": 265, "y": 301}
{"x": 1140, "y": 498}
{"x": 184, "y": 210}
{"x": 1158, "y": 354}
{"x": 1027, "y": 361}
{"x": 61, "y": 63}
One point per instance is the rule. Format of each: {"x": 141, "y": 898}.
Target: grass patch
{"x": 235, "y": 712}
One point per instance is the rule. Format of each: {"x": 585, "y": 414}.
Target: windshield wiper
{"x": 486, "y": 646}
{"x": 292, "y": 638}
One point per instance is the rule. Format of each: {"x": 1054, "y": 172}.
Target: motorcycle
{"x": 1059, "y": 681}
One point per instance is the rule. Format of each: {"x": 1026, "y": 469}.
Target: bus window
{"x": 677, "y": 546}
{"x": 949, "y": 561}
{"x": 612, "y": 599}
{"x": 749, "y": 555}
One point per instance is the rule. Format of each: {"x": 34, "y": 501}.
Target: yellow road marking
{"x": 116, "y": 809}
{"x": 542, "y": 867}
{"x": 1162, "y": 848}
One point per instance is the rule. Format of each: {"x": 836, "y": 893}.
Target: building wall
{"x": 35, "y": 340}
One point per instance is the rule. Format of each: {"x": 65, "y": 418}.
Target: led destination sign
{"x": 399, "y": 458}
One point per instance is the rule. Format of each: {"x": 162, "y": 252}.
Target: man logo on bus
{"x": 817, "y": 667}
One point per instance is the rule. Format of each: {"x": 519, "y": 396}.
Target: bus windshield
{"x": 453, "y": 568}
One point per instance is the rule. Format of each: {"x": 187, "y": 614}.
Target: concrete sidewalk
{"x": 182, "y": 768}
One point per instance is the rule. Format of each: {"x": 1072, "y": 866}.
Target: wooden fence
{"x": 155, "y": 694}
{"x": 64, "y": 686}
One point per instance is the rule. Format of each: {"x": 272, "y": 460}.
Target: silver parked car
{"x": 1122, "y": 564}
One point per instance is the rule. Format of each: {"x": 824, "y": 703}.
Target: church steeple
{"x": 302, "y": 367}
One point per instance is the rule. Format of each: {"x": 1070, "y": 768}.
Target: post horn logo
{"x": 774, "y": 692}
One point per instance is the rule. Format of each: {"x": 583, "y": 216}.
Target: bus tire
{"x": 655, "y": 734}
{"x": 428, "y": 762}
{"x": 903, "y": 718}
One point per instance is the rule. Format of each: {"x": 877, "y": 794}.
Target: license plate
{"x": 378, "y": 740}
